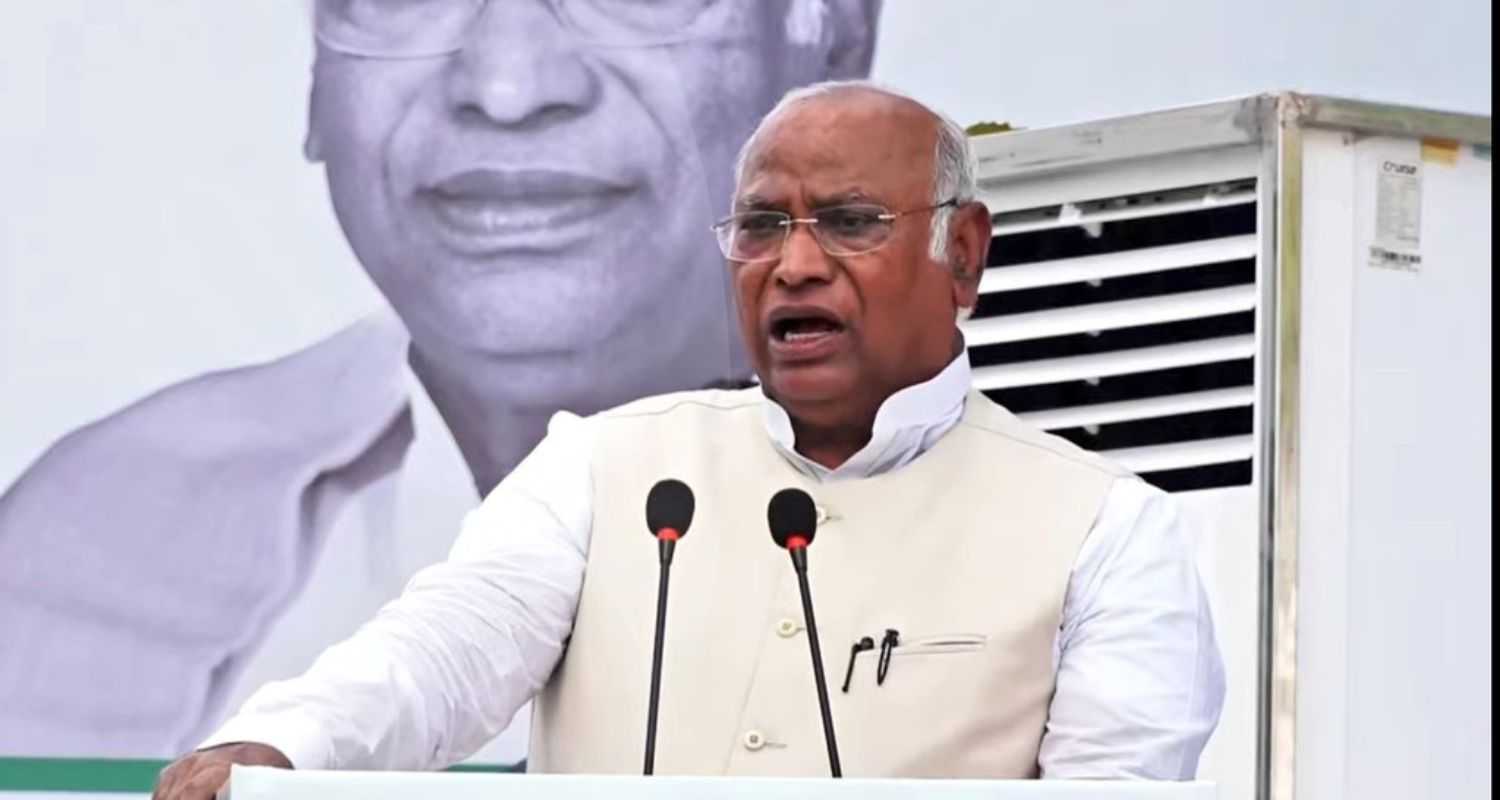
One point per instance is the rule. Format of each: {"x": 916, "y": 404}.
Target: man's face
{"x": 833, "y": 336}
{"x": 535, "y": 194}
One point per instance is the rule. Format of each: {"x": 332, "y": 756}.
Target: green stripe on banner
{"x": 120, "y": 774}
{"x": 519, "y": 766}
{"x": 78, "y": 774}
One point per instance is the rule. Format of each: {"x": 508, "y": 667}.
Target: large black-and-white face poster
{"x": 271, "y": 332}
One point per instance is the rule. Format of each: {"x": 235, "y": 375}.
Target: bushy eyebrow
{"x": 851, "y": 196}
{"x": 755, "y": 202}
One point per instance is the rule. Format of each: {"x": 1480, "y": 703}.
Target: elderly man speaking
{"x": 1038, "y": 609}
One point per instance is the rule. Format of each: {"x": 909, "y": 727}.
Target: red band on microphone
{"x": 668, "y": 534}
{"x": 796, "y": 541}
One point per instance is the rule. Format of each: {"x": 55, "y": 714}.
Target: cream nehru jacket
{"x": 966, "y": 551}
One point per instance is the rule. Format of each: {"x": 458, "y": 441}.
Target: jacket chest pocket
{"x": 922, "y": 694}
{"x": 943, "y": 644}
{"x": 912, "y": 665}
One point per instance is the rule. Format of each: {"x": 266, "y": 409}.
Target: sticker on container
{"x": 1440, "y": 151}
{"x": 1398, "y": 216}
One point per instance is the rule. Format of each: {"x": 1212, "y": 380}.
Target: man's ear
{"x": 312, "y": 148}
{"x": 968, "y": 250}
{"x": 312, "y": 142}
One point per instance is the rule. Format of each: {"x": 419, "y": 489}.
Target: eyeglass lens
{"x": 417, "y": 28}
{"x": 840, "y": 231}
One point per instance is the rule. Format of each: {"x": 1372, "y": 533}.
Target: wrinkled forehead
{"x": 842, "y": 147}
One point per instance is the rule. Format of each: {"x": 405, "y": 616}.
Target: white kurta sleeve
{"x": 1140, "y": 682}
{"x": 442, "y": 669}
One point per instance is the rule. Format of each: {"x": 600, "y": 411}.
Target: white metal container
{"x": 1279, "y": 307}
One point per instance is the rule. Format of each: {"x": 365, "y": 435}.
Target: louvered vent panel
{"x": 1127, "y": 326}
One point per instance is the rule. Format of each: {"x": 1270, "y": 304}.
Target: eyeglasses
{"x": 397, "y": 29}
{"x": 846, "y": 230}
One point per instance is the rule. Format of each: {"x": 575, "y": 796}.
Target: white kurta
{"x": 443, "y": 669}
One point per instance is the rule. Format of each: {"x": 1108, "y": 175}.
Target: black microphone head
{"x": 669, "y": 505}
{"x": 792, "y": 513}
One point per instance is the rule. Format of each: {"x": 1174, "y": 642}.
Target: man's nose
{"x": 803, "y": 260}
{"x": 519, "y": 63}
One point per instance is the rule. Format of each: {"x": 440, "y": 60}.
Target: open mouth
{"x": 803, "y": 329}
{"x": 805, "y": 334}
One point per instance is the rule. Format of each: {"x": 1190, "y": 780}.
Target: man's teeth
{"x": 792, "y": 336}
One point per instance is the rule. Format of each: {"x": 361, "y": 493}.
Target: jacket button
{"x": 754, "y": 740}
{"x": 787, "y": 628}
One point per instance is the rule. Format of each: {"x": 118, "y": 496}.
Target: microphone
{"x": 794, "y": 520}
{"x": 669, "y": 512}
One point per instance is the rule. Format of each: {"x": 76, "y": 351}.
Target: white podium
{"x": 264, "y": 783}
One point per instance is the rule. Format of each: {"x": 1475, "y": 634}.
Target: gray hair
{"x": 953, "y": 162}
